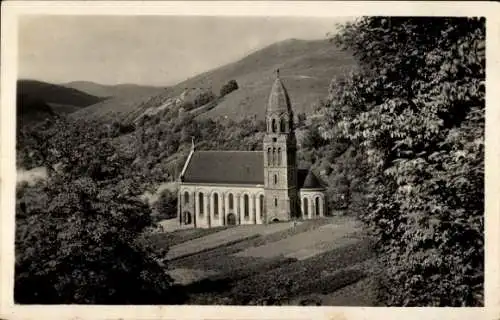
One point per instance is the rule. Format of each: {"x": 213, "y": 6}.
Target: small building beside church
{"x": 218, "y": 188}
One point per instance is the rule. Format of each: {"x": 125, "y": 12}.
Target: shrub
{"x": 203, "y": 98}
{"x": 228, "y": 88}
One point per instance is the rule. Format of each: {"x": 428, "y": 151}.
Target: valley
{"x": 389, "y": 119}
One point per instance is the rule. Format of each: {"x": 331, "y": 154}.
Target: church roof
{"x": 279, "y": 101}
{"x": 232, "y": 167}
{"x": 306, "y": 179}
{"x": 237, "y": 167}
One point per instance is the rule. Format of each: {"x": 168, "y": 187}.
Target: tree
{"x": 301, "y": 119}
{"x": 312, "y": 138}
{"x": 79, "y": 246}
{"x": 228, "y": 88}
{"x": 77, "y": 238}
{"x": 203, "y": 98}
{"x": 415, "y": 108}
{"x": 166, "y": 205}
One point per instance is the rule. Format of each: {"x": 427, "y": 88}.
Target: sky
{"x": 148, "y": 50}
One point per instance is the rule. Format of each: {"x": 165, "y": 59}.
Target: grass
{"x": 276, "y": 280}
{"x": 186, "y": 276}
{"x": 332, "y": 282}
{"x": 302, "y": 245}
{"x": 222, "y": 257}
{"x": 229, "y": 246}
{"x": 228, "y": 236}
{"x": 363, "y": 292}
{"x": 216, "y": 289}
{"x": 168, "y": 239}
{"x": 289, "y": 280}
{"x": 282, "y": 281}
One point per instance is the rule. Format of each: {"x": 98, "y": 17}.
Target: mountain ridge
{"x": 55, "y": 93}
{"x": 113, "y": 90}
{"x": 38, "y": 100}
{"x": 306, "y": 67}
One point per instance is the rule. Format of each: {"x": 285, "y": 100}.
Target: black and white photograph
{"x": 260, "y": 160}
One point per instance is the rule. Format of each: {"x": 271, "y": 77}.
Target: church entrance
{"x": 231, "y": 219}
{"x": 187, "y": 217}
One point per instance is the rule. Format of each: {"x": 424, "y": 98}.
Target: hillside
{"x": 123, "y": 100}
{"x": 118, "y": 90}
{"x": 37, "y": 100}
{"x": 55, "y": 94}
{"x": 31, "y": 110}
{"x": 306, "y": 67}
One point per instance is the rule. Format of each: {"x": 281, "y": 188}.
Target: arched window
{"x": 269, "y": 156}
{"x": 186, "y": 197}
{"x": 274, "y": 156}
{"x": 246, "y": 206}
{"x": 274, "y": 125}
{"x": 279, "y": 156}
{"x": 306, "y": 207}
{"x": 231, "y": 201}
{"x": 275, "y": 202}
{"x": 216, "y": 205}
{"x": 283, "y": 125}
{"x": 261, "y": 205}
{"x": 200, "y": 203}
{"x": 316, "y": 204}
{"x": 275, "y": 179}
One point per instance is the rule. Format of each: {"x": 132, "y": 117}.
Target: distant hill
{"x": 31, "y": 110}
{"x": 57, "y": 94}
{"x": 62, "y": 100}
{"x": 105, "y": 91}
{"x": 306, "y": 67}
{"x": 37, "y": 100}
{"x": 117, "y": 107}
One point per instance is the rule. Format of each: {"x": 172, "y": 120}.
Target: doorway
{"x": 231, "y": 219}
{"x": 187, "y": 217}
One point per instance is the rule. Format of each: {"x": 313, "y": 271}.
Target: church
{"x": 218, "y": 188}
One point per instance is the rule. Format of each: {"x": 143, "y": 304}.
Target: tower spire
{"x": 192, "y": 143}
{"x": 279, "y": 100}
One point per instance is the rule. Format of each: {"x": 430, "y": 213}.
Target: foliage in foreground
{"x": 416, "y": 111}
{"x": 166, "y": 206}
{"x": 77, "y": 233}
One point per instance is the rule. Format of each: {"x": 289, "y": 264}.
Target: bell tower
{"x": 280, "y": 147}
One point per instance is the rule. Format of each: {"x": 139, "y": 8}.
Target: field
{"x": 319, "y": 262}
